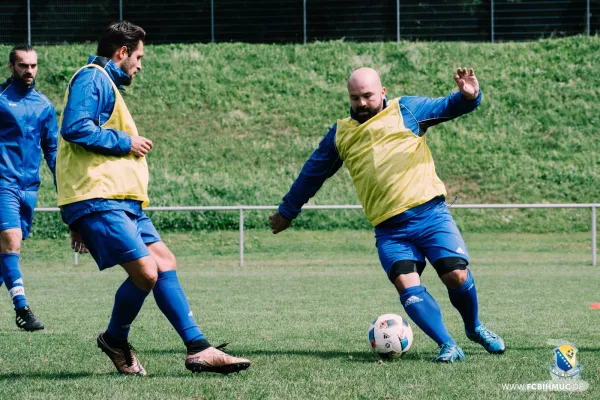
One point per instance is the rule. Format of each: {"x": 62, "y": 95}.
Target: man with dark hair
{"x": 102, "y": 180}
{"x": 119, "y": 34}
{"x": 384, "y": 147}
{"x": 27, "y": 128}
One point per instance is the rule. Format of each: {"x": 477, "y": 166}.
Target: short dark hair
{"x": 12, "y": 57}
{"x": 117, "y": 35}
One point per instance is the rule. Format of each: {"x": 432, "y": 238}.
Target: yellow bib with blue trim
{"x": 83, "y": 175}
{"x": 391, "y": 167}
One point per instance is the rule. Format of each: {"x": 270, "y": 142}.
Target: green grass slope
{"x": 233, "y": 124}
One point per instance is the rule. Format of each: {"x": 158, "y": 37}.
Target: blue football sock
{"x": 464, "y": 299}
{"x": 13, "y": 278}
{"x": 129, "y": 300}
{"x": 171, "y": 300}
{"x": 425, "y": 313}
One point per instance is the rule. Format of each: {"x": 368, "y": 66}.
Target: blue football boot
{"x": 488, "y": 339}
{"x": 449, "y": 353}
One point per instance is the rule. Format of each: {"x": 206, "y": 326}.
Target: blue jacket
{"x": 90, "y": 104}
{"x": 27, "y": 128}
{"x": 418, "y": 113}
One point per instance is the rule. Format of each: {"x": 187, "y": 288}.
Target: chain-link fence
{"x": 299, "y": 21}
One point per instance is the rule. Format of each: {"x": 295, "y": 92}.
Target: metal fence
{"x": 241, "y": 210}
{"x": 299, "y": 21}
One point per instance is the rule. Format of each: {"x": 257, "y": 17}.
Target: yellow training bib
{"x": 391, "y": 167}
{"x": 83, "y": 175}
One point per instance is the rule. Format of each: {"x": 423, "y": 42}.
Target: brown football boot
{"x": 123, "y": 357}
{"x": 215, "y": 360}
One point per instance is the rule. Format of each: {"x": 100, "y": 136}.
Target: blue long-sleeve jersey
{"x": 418, "y": 113}
{"x": 90, "y": 104}
{"x": 27, "y": 128}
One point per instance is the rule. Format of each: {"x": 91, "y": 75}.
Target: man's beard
{"x": 21, "y": 78}
{"x": 125, "y": 68}
{"x": 370, "y": 113}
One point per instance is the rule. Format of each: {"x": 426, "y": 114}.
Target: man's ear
{"x": 11, "y": 68}
{"x": 122, "y": 53}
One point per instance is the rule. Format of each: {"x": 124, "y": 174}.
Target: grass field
{"x": 300, "y": 310}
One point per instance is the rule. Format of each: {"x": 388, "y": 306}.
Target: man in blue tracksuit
{"x": 27, "y": 127}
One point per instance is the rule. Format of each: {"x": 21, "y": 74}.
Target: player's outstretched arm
{"x": 322, "y": 164}
{"x": 429, "y": 111}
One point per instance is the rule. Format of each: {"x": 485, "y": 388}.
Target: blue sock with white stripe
{"x": 425, "y": 313}
{"x": 129, "y": 300}
{"x": 171, "y": 300}
{"x": 464, "y": 299}
{"x": 13, "y": 278}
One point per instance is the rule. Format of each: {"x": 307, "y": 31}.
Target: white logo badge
{"x": 412, "y": 300}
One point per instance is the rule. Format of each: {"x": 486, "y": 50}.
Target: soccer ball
{"x": 390, "y": 336}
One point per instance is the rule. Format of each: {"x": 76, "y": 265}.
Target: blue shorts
{"x": 16, "y": 209}
{"x": 431, "y": 234}
{"x": 116, "y": 236}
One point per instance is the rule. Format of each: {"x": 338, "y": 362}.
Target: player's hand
{"x": 467, "y": 83}
{"x": 77, "y": 243}
{"x": 278, "y": 223}
{"x": 140, "y": 146}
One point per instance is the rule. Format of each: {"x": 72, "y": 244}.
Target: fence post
{"x": 29, "y": 22}
{"x": 397, "y": 20}
{"x": 587, "y": 17}
{"x": 241, "y": 237}
{"x": 212, "y": 21}
{"x": 594, "y": 249}
{"x": 492, "y": 20}
{"x": 121, "y": 10}
{"x": 304, "y": 21}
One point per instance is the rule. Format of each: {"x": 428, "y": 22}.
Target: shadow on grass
{"x": 516, "y": 348}
{"x": 360, "y": 357}
{"x": 588, "y": 349}
{"x": 50, "y": 375}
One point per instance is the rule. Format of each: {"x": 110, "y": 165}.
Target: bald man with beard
{"x": 384, "y": 147}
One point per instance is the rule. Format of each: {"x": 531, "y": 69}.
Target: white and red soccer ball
{"x": 390, "y": 336}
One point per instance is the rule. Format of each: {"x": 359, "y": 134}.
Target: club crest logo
{"x": 565, "y": 361}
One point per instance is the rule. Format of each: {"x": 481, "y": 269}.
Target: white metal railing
{"x": 241, "y": 209}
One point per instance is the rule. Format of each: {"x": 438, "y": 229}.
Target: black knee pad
{"x": 403, "y": 267}
{"x": 449, "y": 264}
